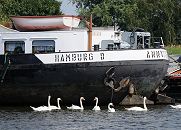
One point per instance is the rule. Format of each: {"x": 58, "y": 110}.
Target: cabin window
{"x": 43, "y": 46}
{"x": 14, "y": 47}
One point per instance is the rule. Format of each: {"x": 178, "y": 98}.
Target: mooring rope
{"x": 5, "y": 68}
{"x": 178, "y": 63}
{"x": 5, "y": 58}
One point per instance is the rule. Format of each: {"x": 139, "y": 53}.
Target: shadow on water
{"x": 157, "y": 117}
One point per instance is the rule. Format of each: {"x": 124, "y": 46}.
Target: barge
{"x": 100, "y": 62}
{"x": 173, "y": 80}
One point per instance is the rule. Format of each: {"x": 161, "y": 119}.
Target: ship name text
{"x": 77, "y": 57}
{"x": 155, "y": 54}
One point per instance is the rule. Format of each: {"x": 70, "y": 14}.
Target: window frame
{"x": 11, "y": 50}
{"x": 42, "y": 46}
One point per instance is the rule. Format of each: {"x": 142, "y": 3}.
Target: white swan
{"x": 96, "y": 108}
{"x": 55, "y": 107}
{"x": 176, "y": 106}
{"x": 74, "y": 107}
{"x": 43, "y": 108}
{"x": 139, "y": 108}
{"x": 109, "y": 107}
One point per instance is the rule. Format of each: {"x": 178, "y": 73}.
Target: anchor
{"x": 110, "y": 81}
{"x": 126, "y": 85}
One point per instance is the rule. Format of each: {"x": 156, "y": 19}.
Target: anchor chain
{"x": 109, "y": 80}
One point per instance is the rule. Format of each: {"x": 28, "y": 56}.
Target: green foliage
{"x": 160, "y": 17}
{"x": 173, "y": 50}
{"x": 28, "y": 8}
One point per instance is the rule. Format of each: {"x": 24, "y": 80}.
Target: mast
{"x": 90, "y": 34}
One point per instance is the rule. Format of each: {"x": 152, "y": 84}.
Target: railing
{"x": 157, "y": 42}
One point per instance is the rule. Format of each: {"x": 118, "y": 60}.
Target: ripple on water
{"x": 157, "y": 117}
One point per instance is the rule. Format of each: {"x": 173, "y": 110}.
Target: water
{"x": 157, "y": 117}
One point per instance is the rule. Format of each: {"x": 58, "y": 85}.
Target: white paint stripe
{"x": 99, "y": 56}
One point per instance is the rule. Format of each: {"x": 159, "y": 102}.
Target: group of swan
{"x": 73, "y": 107}
{"x": 96, "y": 107}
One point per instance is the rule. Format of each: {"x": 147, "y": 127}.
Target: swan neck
{"x": 109, "y": 107}
{"x": 96, "y": 102}
{"x": 144, "y": 104}
{"x": 58, "y": 103}
{"x": 81, "y": 103}
{"x": 49, "y": 101}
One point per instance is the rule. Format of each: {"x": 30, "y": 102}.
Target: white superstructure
{"x": 73, "y": 40}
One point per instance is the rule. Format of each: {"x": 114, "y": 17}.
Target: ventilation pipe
{"x": 90, "y": 34}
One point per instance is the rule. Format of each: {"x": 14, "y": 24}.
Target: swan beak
{"x": 82, "y": 98}
{"x": 112, "y": 104}
{"x": 49, "y": 97}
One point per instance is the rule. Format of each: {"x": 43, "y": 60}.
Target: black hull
{"x": 28, "y": 81}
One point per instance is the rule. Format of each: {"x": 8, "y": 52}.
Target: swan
{"x": 74, "y": 107}
{"x": 96, "y": 108}
{"x": 176, "y": 106}
{"x": 109, "y": 107}
{"x": 139, "y": 108}
{"x": 55, "y": 107}
{"x": 43, "y": 108}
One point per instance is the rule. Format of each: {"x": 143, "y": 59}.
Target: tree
{"x": 177, "y": 22}
{"x": 155, "y": 16}
{"x": 28, "y": 8}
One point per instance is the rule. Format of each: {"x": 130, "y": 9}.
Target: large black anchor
{"x": 111, "y": 82}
